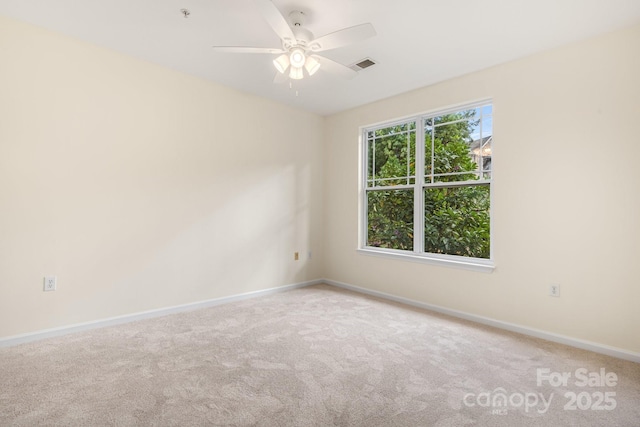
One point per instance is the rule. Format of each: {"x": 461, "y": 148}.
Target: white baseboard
{"x": 64, "y": 330}
{"x": 549, "y": 336}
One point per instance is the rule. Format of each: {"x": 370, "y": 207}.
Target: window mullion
{"x": 433, "y": 151}
{"x": 418, "y": 196}
{"x": 373, "y": 160}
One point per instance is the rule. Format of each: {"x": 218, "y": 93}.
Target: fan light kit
{"x": 299, "y": 47}
{"x": 296, "y": 59}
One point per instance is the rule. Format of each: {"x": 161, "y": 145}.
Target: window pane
{"x": 371, "y": 160}
{"x": 391, "y": 155}
{"x": 428, "y": 144}
{"x": 448, "y": 147}
{"x": 482, "y": 136}
{"x": 390, "y": 219}
{"x": 457, "y": 220}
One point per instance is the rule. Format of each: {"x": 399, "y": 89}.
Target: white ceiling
{"x": 418, "y": 42}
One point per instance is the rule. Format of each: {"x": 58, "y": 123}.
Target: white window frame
{"x": 417, "y": 255}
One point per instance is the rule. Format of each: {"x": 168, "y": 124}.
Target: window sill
{"x": 472, "y": 264}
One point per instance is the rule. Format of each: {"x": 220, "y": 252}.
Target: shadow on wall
{"x": 239, "y": 236}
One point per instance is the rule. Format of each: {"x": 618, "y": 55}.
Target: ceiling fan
{"x": 299, "y": 47}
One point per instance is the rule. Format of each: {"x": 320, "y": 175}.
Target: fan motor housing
{"x": 303, "y": 36}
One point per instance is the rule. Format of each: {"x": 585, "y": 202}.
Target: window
{"x": 427, "y": 187}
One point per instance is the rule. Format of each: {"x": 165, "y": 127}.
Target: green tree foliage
{"x": 391, "y": 219}
{"x": 456, "y": 218}
{"x": 393, "y": 155}
{"x": 457, "y": 221}
{"x": 451, "y": 140}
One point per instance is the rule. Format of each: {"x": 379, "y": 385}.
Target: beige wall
{"x": 142, "y": 188}
{"x": 566, "y": 194}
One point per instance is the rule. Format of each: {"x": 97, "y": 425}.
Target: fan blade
{"x": 275, "y": 19}
{"x": 335, "y": 67}
{"x": 246, "y": 49}
{"x": 343, "y": 37}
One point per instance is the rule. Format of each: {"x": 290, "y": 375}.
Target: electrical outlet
{"x": 296, "y": 256}
{"x": 50, "y": 283}
{"x": 554, "y": 290}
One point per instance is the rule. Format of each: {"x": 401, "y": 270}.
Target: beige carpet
{"x": 316, "y": 356}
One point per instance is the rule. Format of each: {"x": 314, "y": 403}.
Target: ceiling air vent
{"x": 361, "y": 65}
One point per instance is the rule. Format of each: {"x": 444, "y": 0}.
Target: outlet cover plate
{"x": 50, "y": 283}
